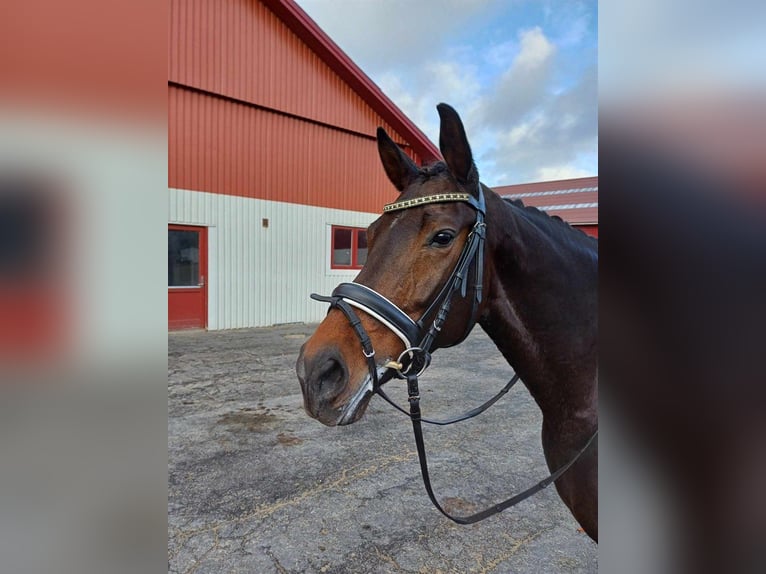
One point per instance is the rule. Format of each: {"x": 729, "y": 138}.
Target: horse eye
{"x": 443, "y": 238}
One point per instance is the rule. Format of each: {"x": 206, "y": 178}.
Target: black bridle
{"x": 419, "y": 339}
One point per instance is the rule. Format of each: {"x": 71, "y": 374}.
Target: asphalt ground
{"x": 257, "y": 486}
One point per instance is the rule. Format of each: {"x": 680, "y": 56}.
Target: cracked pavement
{"x": 257, "y": 486}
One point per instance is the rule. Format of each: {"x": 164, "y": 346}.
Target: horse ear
{"x": 453, "y": 144}
{"x": 400, "y": 169}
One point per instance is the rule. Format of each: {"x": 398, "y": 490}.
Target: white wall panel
{"x": 263, "y": 276}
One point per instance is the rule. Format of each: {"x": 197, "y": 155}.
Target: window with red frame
{"x": 349, "y": 248}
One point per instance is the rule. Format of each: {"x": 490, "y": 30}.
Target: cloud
{"x": 520, "y": 130}
{"x": 566, "y": 171}
{"x": 536, "y": 50}
{"x": 439, "y": 81}
{"x": 559, "y": 136}
{"x": 569, "y": 22}
{"x": 523, "y": 85}
{"x": 383, "y": 35}
{"x": 526, "y": 95}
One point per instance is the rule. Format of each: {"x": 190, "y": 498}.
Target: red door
{"x": 187, "y": 277}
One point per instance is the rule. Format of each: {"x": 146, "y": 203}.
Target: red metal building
{"x": 272, "y": 163}
{"x": 574, "y": 200}
{"x": 273, "y": 171}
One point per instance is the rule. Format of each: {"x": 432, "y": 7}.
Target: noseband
{"x": 418, "y": 340}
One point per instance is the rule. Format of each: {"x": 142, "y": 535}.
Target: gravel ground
{"x": 257, "y": 486}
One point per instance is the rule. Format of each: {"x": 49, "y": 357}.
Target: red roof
{"x": 315, "y": 38}
{"x": 573, "y": 200}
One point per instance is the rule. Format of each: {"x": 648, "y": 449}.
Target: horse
{"x": 529, "y": 281}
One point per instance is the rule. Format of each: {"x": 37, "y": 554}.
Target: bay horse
{"x": 452, "y": 253}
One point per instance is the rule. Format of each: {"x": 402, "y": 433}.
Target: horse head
{"x": 412, "y": 253}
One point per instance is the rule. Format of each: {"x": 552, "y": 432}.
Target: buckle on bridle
{"x": 413, "y": 360}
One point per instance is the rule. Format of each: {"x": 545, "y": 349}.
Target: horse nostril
{"x": 330, "y": 374}
{"x": 322, "y": 377}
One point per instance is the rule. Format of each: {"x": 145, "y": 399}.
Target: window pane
{"x": 25, "y": 241}
{"x": 361, "y": 242}
{"x": 341, "y": 254}
{"x": 183, "y": 258}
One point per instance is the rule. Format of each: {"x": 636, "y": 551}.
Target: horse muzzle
{"x": 324, "y": 380}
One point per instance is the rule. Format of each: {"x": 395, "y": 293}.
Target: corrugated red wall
{"x": 235, "y": 149}
{"x": 254, "y": 112}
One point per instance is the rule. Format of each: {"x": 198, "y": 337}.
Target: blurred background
{"x": 682, "y": 138}
{"x": 83, "y": 343}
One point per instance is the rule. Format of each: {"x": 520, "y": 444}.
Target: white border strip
{"x": 547, "y": 193}
{"x": 566, "y": 206}
{"x": 397, "y": 332}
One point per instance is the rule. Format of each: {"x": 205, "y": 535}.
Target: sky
{"x": 521, "y": 74}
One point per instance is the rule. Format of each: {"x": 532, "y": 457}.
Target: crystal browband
{"x": 438, "y": 198}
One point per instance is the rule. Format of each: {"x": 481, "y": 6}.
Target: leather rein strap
{"x": 418, "y": 342}
{"x": 417, "y": 428}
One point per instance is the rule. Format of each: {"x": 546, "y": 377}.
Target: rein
{"x": 418, "y": 341}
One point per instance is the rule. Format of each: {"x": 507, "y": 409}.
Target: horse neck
{"x": 541, "y": 308}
